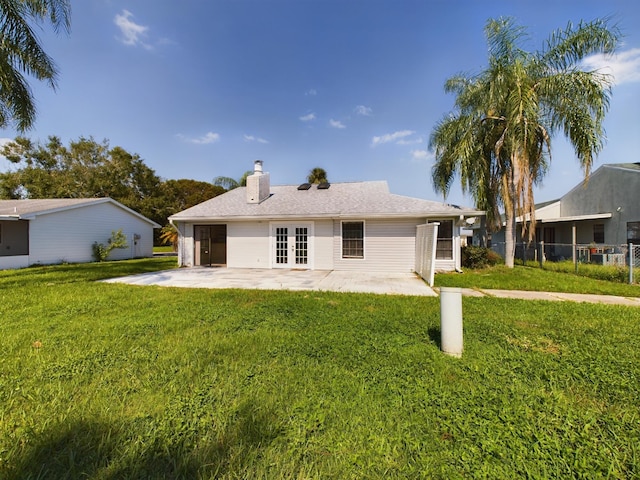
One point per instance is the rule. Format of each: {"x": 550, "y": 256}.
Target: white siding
{"x": 389, "y": 246}
{"x": 16, "y": 261}
{"x": 323, "y": 245}
{"x": 67, "y": 236}
{"x": 248, "y": 245}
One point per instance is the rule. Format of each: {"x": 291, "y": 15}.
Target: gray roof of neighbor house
{"x": 340, "y": 200}
{"x": 31, "y": 208}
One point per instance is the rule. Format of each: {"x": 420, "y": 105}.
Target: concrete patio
{"x": 274, "y": 279}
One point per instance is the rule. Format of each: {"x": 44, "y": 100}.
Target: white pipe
{"x": 451, "y": 341}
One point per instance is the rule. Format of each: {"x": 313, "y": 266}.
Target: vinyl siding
{"x": 67, "y": 236}
{"x": 248, "y": 245}
{"x": 389, "y": 246}
{"x": 323, "y": 245}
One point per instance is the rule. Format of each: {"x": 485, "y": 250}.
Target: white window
{"x": 352, "y": 239}
{"x": 444, "y": 248}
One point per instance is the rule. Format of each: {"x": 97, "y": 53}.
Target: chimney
{"x": 258, "y": 187}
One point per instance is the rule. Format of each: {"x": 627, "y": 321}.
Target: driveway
{"x": 275, "y": 279}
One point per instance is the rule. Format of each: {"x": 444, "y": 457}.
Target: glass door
{"x": 291, "y": 246}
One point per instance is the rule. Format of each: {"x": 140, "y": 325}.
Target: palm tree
{"x": 317, "y": 175}
{"x": 21, "y": 53}
{"x": 498, "y": 139}
{"x": 229, "y": 183}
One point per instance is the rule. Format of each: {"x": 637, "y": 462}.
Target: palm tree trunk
{"x": 510, "y": 236}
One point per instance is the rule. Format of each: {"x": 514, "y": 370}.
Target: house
{"x": 62, "y": 230}
{"x": 341, "y": 226}
{"x": 599, "y": 215}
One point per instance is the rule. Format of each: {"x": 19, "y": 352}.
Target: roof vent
{"x": 304, "y": 186}
{"x": 323, "y": 186}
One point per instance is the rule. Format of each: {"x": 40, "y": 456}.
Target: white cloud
{"x": 251, "y": 138}
{"x": 209, "y": 137}
{"x": 409, "y": 141}
{"x": 312, "y": 92}
{"x": 363, "y": 110}
{"x": 624, "y": 66}
{"x": 421, "y": 156}
{"x": 308, "y": 118}
{"x": 132, "y": 33}
{"x": 392, "y": 137}
{"x": 336, "y": 124}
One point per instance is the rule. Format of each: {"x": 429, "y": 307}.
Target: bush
{"x": 479, "y": 257}
{"x": 117, "y": 240}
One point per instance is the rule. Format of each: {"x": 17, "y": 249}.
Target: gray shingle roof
{"x": 341, "y": 200}
{"x": 39, "y": 206}
{"x": 28, "y": 209}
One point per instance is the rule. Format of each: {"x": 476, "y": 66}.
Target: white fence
{"x": 426, "y": 243}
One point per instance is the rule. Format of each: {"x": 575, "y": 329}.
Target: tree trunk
{"x": 510, "y": 237}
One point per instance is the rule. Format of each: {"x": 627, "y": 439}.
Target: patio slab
{"x": 275, "y": 279}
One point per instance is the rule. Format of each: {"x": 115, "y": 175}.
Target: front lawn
{"x": 534, "y": 278}
{"x": 115, "y": 381}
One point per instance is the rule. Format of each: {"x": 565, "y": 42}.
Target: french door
{"x": 290, "y": 245}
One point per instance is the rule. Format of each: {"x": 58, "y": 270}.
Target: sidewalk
{"x": 552, "y": 296}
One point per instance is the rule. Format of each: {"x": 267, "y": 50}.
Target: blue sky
{"x": 201, "y": 88}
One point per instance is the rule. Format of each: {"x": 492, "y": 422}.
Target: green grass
{"x": 163, "y": 249}
{"x": 534, "y": 278}
{"x": 150, "y": 382}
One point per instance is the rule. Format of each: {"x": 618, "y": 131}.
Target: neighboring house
{"x": 342, "y": 226}
{"x": 602, "y": 212}
{"x": 61, "y": 230}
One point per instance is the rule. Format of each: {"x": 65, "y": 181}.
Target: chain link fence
{"x": 618, "y": 257}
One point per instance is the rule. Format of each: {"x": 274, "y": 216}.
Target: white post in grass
{"x": 451, "y": 321}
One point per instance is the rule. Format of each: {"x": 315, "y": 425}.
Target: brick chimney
{"x": 258, "y": 185}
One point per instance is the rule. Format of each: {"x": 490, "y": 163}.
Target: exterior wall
{"x": 549, "y": 211}
{"x": 389, "y": 246}
{"x": 17, "y": 261}
{"x": 67, "y": 236}
{"x": 248, "y": 245}
{"x": 609, "y": 190}
{"x": 323, "y": 245}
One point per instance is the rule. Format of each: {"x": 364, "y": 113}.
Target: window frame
{"x": 598, "y": 233}
{"x": 635, "y": 226}
{"x": 445, "y": 252}
{"x": 343, "y": 255}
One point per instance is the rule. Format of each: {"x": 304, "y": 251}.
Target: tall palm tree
{"x": 498, "y": 139}
{"x": 317, "y": 175}
{"x": 21, "y": 53}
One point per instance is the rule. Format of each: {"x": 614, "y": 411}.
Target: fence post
{"x": 632, "y": 260}
{"x": 542, "y": 254}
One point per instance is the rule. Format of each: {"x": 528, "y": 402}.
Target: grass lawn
{"x": 535, "y": 279}
{"x": 114, "y": 381}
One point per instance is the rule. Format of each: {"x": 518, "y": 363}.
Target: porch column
{"x": 573, "y": 243}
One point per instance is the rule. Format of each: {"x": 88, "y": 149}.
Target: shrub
{"x": 479, "y": 257}
{"x": 102, "y": 251}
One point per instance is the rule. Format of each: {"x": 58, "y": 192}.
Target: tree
{"x": 84, "y": 169}
{"x": 21, "y": 54}
{"x": 229, "y": 183}
{"x": 498, "y": 139}
{"x": 317, "y": 175}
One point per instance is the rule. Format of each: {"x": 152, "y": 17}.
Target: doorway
{"x": 211, "y": 245}
{"x": 290, "y": 245}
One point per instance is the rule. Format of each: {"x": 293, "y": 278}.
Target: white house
{"x": 341, "y": 226}
{"x": 51, "y": 231}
